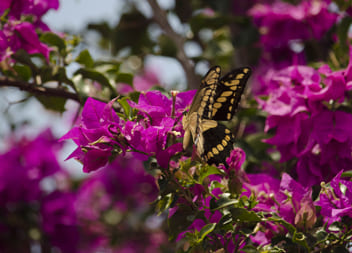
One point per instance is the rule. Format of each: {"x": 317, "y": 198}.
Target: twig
{"x": 39, "y": 90}
{"x": 161, "y": 19}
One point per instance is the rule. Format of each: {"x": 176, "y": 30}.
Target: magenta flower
{"x": 28, "y": 7}
{"x": 102, "y": 133}
{"x": 328, "y": 149}
{"x": 25, "y": 165}
{"x": 305, "y": 128}
{"x": 97, "y": 135}
{"x": 122, "y": 188}
{"x": 15, "y": 36}
{"x": 335, "y": 200}
{"x": 290, "y": 200}
{"x": 228, "y": 241}
{"x": 266, "y": 189}
{"x": 297, "y": 206}
{"x": 27, "y": 39}
{"x": 59, "y": 220}
{"x": 24, "y": 198}
{"x": 161, "y": 119}
{"x": 35, "y": 8}
{"x": 281, "y": 23}
{"x": 123, "y": 183}
{"x": 156, "y": 105}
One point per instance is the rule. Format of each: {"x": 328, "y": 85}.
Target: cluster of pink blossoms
{"x": 305, "y": 107}
{"x": 36, "y": 194}
{"x": 284, "y": 28}
{"x": 101, "y": 132}
{"x": 24, "y": 170}
{"x": 19, "y": 33}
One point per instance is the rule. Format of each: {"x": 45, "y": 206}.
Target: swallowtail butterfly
{"x": 216, "y": 100}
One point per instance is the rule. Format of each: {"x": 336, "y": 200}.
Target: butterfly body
{"x": 216, "y": 100}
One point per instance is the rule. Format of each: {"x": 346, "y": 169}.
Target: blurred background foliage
{"x": 107, "y": 60}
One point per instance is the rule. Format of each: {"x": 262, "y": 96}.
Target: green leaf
{"x": 226, "y": 222}
{"x": 340, "y": 249}
{"x": 343, "y": 4}
{"x": 126, "y": 107}
{"x": 164, "y": 203}
{"x": 181, "y": 220}
{"x": 342, "y": 29}
{"x": 342, "y": 48}
{"x": 201, "y": 21}
{"x": 54, "y": 73}
{"x": 131, "y": 32}
{"x": 3, "y": 17}
{"x": 134, "y": 96}
{"x": 124, "y": 78}
{"x": 167, "y": 46}
{"x": 347, "y": 174}
{"x": 23, "y": 57}
{"x": 53, "y": 39}
{"x": 96, "y": 76}
{"x": 223, "y": 202}
{"x": 209, "y": 170}
{"x": 61, "y": 76}
{"x": 85, "y": 59}
{"x": 52, "y": 103}
{"x": 243, "y": 215}
{"x": 24, "y": 72}
{"x": 300, "y": 238}
{"x": 207, "y": 229}
{"x": 286, "y": 224}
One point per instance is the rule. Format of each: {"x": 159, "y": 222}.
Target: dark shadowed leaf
{"x": 223, "y": 202}
{"x": 207, "y": 171}
{"x": 167, "y": 46}
{"x": 181, "y": 220}
{"x": 164, "y": 203}
{"x": 52, "y": 103}
{"x": 124, "y": 78}
{"x": 201, "y": 21}
{"x": 207, "y": 229}
{"x": 243, "y": 215}
{"x": 53, "y": 39}
{"x": 126, "y": 107}
{"x": 85, "y": 59}
{"x": 24, "y": 72}
{"x": 96, "y": 76}
{"x": 287, "y": 225}
{"x": 300, "y": 238}
{"x": 23, "y": 57}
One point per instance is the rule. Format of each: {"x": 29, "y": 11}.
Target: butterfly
{"x": 216, "y": 100}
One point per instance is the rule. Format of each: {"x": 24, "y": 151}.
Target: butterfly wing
{"x": 201, "y": 105}
{"x": 228, "y": 94}
{"x": 216, "y": 99}
{"x": 217, "y": 145}
{"x": 204, "y": 98}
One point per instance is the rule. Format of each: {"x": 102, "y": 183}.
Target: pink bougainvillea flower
{"x": 306, "y": 129}
{"x": 335, "y": 200}
{"x": 37, "y": 8}
{"x": 101, "y": 132}
{"x": 59, "y": 220}
{"x": 25, "y": 165}
{"x": 281, "y": 23}
{"x": 97, "y": 135}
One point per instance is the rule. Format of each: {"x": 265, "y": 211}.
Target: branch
{"x": 161, "y": 19}
{"x": 39, "y": 90}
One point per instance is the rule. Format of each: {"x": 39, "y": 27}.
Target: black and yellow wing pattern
{"x": 216, "y": 100}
